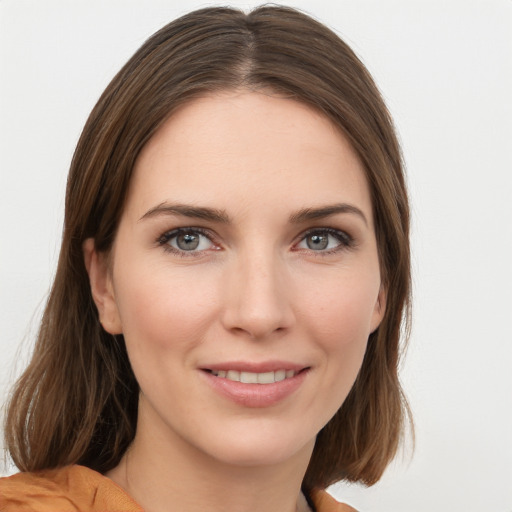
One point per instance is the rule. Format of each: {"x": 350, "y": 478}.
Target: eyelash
{"x": 345, "y": 240}
{"x": 164, "y": 240}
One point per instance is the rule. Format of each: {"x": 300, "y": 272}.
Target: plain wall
{"x": 445, "y": 69}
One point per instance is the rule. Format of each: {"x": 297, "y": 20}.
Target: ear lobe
{"x": 379, "y": 309}
{"x": 102, "y": 289}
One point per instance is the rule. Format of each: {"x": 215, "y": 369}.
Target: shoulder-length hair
{"x": 77, "y": 400}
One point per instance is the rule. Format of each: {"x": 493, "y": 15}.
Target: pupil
{"x": 187, "y": 241}
{"x": 317, "y": 242}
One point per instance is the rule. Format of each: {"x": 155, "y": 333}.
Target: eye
{"x": 183, "y": 240}
{"x": 325, "y": 240}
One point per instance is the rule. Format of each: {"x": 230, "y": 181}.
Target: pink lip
{"x": 262, "y": 367}
{"x": 256, "y": 395}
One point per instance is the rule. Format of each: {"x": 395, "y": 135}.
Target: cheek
{"x": 340, "y": 320}
{"x": 163, "y": 307}
{"x": 343, "y": 313}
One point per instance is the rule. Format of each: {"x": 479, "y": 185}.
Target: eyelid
{"x": 346, "y": 240}
{"x": 164, "y": 238}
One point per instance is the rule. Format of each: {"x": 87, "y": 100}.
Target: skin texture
{"x": 255, "y": 291}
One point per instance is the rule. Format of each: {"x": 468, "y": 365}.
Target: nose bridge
{"x": 257, "y": 299}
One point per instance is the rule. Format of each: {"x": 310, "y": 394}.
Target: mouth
{"x": 245, "y": 377}
{"x": 256, "y": 385}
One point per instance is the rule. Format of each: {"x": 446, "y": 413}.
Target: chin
{"x": 260, "y": 450}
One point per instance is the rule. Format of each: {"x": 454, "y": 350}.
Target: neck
{"x": 162, "y": 472}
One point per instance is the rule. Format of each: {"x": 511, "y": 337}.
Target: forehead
{"x": 233, "y": 145}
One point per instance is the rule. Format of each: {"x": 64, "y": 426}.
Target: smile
{"x": 255, "y": 378}
{"x": 255, "y": 385}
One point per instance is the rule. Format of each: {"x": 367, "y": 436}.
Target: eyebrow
{"x": 185, "y": 210}
{"x": 220, "y": 216}
{"x": 307, "y": 214}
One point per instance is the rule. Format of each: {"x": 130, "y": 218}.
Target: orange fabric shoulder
{"x": 80, "y": 489}
{"x": 68, "y": 489}
{"x": 324, "y": 502}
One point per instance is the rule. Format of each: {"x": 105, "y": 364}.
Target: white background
{"x": 445, "y": 69}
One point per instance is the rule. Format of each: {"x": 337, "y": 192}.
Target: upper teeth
{"x": 255, "y": 378}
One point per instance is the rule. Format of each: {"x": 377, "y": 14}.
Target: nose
{"x": 258, "y": 300}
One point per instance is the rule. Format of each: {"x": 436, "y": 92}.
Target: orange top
{"x": 80, "y": 489}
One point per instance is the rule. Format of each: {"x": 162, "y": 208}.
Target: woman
{"x": 223, "y": 329}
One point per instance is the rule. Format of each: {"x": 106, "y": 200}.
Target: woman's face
{"x": 244, "y": 277}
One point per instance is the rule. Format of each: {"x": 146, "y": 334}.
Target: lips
{"x": 255, "y": 385}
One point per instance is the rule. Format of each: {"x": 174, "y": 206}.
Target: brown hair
{"x": 77, "y": 400}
